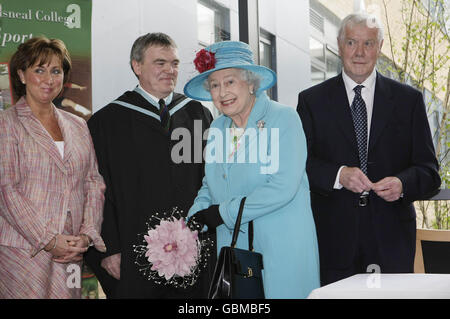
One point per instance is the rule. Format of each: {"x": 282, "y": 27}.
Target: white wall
{"x": 115, "y": 26}
{"x": 117, "y": 23}
{"x": 288, "y": 21}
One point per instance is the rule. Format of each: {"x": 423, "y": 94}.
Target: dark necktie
{"x": 164, "y": 115}
{"x": 359, "y": 114}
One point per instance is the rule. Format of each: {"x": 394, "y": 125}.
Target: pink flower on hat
{"x": 172, "y": 248}
{"x": 204, "y": 60}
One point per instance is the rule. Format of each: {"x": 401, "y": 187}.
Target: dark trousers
{"x": 367, "y": 252}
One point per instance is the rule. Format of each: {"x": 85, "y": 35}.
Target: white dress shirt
{"x": 367, "y": 94}
{"x": 167, "y": 99}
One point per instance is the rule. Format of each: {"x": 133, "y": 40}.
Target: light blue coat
{"x": 278, "y": 199}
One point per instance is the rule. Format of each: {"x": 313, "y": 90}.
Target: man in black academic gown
{"x": 133, "y": 141}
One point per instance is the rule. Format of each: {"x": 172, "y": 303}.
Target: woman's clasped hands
{"x": 68, "y": 248}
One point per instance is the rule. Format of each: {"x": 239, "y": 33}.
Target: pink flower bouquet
{"x": 173, "y": 253}
{"x": 172, "y": 248}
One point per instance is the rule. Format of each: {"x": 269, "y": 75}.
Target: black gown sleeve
{"x": 109, "y": 230}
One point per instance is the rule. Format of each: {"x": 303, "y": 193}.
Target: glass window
{"x": 317, "y": 75}
{"x": 267, "y": 57}
{"x": 316, "y": 49}
{"x": 213, "y": 22}
{"x": 325, "y": 61}
{"x": 206, "y": 33}
{"x": 333, "y": 63}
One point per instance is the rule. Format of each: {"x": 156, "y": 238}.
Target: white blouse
{"x": 60, "y": 145}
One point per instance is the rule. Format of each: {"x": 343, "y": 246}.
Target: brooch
{"x": 260, "y": 124}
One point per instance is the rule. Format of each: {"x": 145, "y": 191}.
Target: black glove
{"x": 209, "y": 217}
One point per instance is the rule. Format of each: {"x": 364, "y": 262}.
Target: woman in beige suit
{"x": 51, "y": 194}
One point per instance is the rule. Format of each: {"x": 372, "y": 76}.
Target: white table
{"x": 387, "y": 286}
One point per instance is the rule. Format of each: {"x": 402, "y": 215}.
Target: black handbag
{"x": 238, "y": 272}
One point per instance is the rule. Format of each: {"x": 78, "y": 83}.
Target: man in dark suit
{"x": 370, "y": 155}
{"x": 135, "y": 150}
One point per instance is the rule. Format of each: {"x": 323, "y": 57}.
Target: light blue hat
{"x": 224, "y": 55}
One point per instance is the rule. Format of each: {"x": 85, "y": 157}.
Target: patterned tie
{"x": 359, "y": 114}
{"x": 164, "y": 115}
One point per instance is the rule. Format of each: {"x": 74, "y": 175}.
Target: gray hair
{"x": 143, "y": 42}
{"x": 248, "y": 76}
{"x": 369, "y": 20}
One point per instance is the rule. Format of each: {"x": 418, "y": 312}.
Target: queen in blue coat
{"x": 255, "y": 149}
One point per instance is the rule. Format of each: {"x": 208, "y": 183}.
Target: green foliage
{"x": 419, "y": 57}
{"x": 442, "y": 208}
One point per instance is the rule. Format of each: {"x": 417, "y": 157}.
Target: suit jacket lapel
{"x": 382, "y": 110}
{"x": 38, "y": 132}
{"x": 341, "y": 109}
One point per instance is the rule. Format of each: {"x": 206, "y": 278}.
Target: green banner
{"x": 68, "y": 20}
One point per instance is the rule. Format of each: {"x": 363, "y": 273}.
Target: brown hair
{"x": 39, "y": 50}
